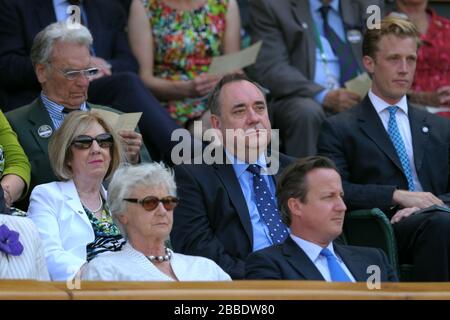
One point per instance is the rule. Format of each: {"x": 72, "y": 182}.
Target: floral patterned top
{"x": 107, "y": 235}
{"x": 184, "y": 44}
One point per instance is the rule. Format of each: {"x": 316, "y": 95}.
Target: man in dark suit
{"x": 63, "y": 68}
{"x": 116, "y": 84}
{"x": 304, "y": 64}
{"x": 309, "y": 194}
{"x": 218, "y": 215}
{"x": 394, "y": 156}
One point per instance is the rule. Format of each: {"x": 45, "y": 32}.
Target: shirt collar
{"x": 317, "y": 4}
{"x": 381, "y": 105}
{"x": 56, "y": 106}
{"x": 60, "y": 2}
{"x": 240, "y": 166}
{"x": 311, "y": 249}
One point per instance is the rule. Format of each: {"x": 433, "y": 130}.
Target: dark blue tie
{"x": 347, "y": 62}
{"x": 267, "y": 206}
{"x": 399, "y": 146}
{"x": 336, "y": 272}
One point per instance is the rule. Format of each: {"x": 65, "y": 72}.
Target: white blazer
{"x": 63, "y": 226}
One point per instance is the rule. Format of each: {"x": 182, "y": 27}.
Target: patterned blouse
{"x": 107, "y": 235}
{"x": 184, "y": 44}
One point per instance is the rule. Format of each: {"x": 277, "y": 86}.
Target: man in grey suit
{"x": 394, "y": 156}
{"x": 310, "y": 48}
{"x": 309, "y": 195}
{"x": 61, "y": 58}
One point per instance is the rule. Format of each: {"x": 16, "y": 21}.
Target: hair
{"x": 293, "y": 184}
{"x": 75, "y": 124}
{"x": 391, "y": 25}
{"x": 45, "y": 40}
{"x": 213, "y": 102}
{"x": 127, "y": 178}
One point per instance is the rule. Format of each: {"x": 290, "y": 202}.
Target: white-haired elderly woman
{"x": 72, "y": 218}
{"x": 142, "y": 199}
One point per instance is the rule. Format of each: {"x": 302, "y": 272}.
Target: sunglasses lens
{"x": 105, "y": 140}
{"x": 169, "y": 203}
{"x": 82, "y": 142}
{"x": 150, "y": 203}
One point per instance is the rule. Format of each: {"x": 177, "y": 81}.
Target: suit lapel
{"x": 417, "y": 123}
{"x": 73, "y": 200}
{"x": 301, "y": 13}
{"x": 38, "y": 118}
{"x": 298, "y": 259}
{"x": 370, "y": 123}
{"x": 231, "y": 184}
{"x": 354, "y": 263}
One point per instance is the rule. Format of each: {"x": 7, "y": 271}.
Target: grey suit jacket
{"x": 26, "y": 121}
{"x": 288, "y": 261}
{"x": 286, "y": 62}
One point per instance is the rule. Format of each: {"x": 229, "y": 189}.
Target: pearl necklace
{"x": 165, "y": 257}
{"x": 99, "y": 208}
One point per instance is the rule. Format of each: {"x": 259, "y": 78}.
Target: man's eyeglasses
{"x": 150, "y": 203}
{"x": 104, "y": 140}
{"x": 75, "y": 74}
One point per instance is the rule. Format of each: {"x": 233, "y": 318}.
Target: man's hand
{"x": 340, "y": 99}
{"x": 421, "y": 200}
{"x": 104, "y": 68}
{"x": 444, "y": 96}
{"x": 404, "y": 213}
{"x": 132, "y": 142}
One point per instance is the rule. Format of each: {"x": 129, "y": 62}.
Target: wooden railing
{"x": 236, "y": 290}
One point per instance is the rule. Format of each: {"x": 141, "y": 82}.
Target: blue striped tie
{"x": 336, "y": 272}
{"x": 399, "y": 146}
{"x": 347, "y": 62}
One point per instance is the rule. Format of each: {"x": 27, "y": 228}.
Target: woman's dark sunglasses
{"x": 150, "y": 202}
{"x": 104, "y": 140}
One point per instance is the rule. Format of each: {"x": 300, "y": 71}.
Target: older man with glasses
{"x": 63, "y": 66}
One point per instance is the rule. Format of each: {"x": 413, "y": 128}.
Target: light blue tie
{"x": 336, "y": 271}
{"x": 399, "y": 146}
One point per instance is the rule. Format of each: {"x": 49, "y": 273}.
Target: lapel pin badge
{"x": 425, "y": 129}
{"x": 304, "y": 25}
{"x": 80, "y": 212}
{"x": 45, "y": 131}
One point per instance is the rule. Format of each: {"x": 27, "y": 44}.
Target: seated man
{"x": 392, "y": 155}
{"x": 309, "y": 194}
{"x": 310, "y": 49}
{"x": 228, "y": 209}
{"x": 63, "y": 66}
{"x": 116, "y": 84}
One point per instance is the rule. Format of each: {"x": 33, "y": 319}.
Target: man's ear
{"x": 295, "y": 206}
{"x": 41, "y": 73}
{"x": 369, "y": 64}
{"x": 215, "y": 121}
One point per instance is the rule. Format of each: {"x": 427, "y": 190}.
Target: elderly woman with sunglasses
{"x": 71, "y": 215}
{"x": 142, "y": 199}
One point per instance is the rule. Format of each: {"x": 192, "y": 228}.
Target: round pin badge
{"x": 425, "y": 129}
{"x": 354, "y": 36}
{"x": 45, "y": 131}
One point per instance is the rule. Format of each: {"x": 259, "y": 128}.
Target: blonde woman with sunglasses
{"x": 72, "y": 217}
{"x": 142, "y": 199}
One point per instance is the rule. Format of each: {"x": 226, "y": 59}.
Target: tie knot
{"x": 326, "y": 253}
{"x": 254, "y": 168}
{"x": 392, "y": 110}
{"x": 68, "y": 110}
{"x": 324, "y": 10}
{"x": 74, "y": 2}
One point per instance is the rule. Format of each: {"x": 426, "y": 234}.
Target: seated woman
{"x": 21, "y": 252}
{"x": 72, "y": 217}
{"x": 174, "y": 58}
{"x": 14, "y": 166}
{"x": 142, "y": 199}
